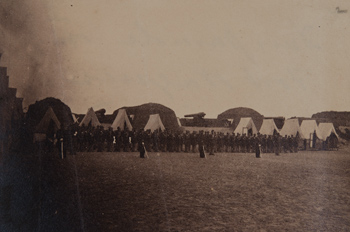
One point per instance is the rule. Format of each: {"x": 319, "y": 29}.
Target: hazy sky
{"x": 281, "y": 58}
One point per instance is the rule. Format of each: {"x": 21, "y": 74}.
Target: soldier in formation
{"x": 88, "y": 139}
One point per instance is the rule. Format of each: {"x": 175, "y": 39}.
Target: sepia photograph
{"x": 174, "y": 115}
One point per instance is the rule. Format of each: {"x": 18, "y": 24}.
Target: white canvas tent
{"x": 47, "y": 123}
{"x": 308, "y": 132}
{"x": 308, "y": 128}
{"x": 268, "y": 127}
{"x": 245, "y": 126}
{"x": 290, "y": 127}
{"x": 325, "y": 130}
{"x": 154, "y": 123}
{"x": 121, "y": 120}
{"x": 90, "y": 118}
{"x": 49, "y": 118}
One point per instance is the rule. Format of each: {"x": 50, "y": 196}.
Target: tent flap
{"x": 290, "y": 127}
{"x": 268, "y": 127}
{"x": 325, "y": 130}
{"x": 245, "y": 124}
{"x": 121, "y": 120}
{"x": 154, "y": 123}
{"x": 49, "y": 118}
{"x": 90, "y": 118}
{"x": 308, "y": 128}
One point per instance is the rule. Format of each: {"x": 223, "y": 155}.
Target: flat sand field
{"x": 305, "y": 191}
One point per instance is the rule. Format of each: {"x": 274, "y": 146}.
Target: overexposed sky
{"x": 281, "y": 58}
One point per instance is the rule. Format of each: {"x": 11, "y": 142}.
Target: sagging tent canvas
{"x": 121, "y": 120}
{"x": 308, "y": 128}
{"x": 309, "y": 131}
{"x": 325, "y": 130}
{"x": 268, "y": 127}
{"x": 90, "y": 118}
{"x": 49, "y": 121}
{"x": 246, "y": 126}
{"x": 49, "y": 124}
{"x": 327, "y": 133}
{"x": 290, "y": 127}
{"x": 154, "y": 123}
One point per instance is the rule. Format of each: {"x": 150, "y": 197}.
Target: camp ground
{"x": 154, "y": 123}
{"x": 49, "y": 124}
{"x": 290, "y": 127}
{"x": 268, "y": 127}
{"x": 90, "y": 119}
{"x": 174, "y": 115}
{"x": 107, "y": 164}
{"x": 121, "y": 121}
{"x": 246, "y": 126}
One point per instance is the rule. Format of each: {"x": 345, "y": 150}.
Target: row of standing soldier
{"x": 88, "y": 139}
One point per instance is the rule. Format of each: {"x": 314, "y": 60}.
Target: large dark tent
{"x": 140, "y": 115}
{"x": 49, "y": 123}
{"x": 37, "y": 111}
{"x": 242, "y": 112}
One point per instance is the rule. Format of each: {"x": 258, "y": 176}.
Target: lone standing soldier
{"x": 201, "y": 145}
{"x": 295, "y": 144}
{"x": 141, "y": 145}
{"x": 142, "y": 150}
{"x": 61, "y": 144}
{"x": 257, "y": 146}
{"x": 277, "y": 143}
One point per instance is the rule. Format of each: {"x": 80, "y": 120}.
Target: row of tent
{"x": 50, "y": 120}
{"x": 122, "y": 120}
{"x": 306, "y": 130}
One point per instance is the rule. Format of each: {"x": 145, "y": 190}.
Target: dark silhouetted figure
{"x": 277, "y": 144}
{"x": 257, "y": 146}
{"x": 201, "y": 145}
{"x": 141, "y": 145}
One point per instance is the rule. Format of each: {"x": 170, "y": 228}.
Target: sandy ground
{"x": 307, "y": 191}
